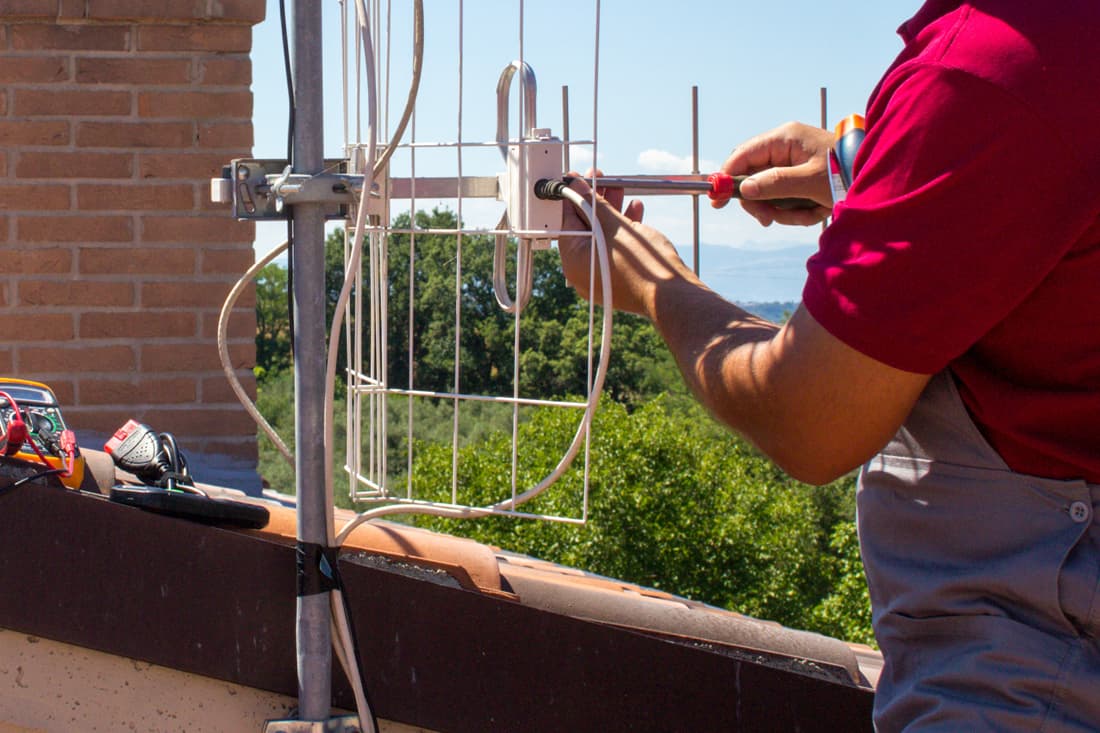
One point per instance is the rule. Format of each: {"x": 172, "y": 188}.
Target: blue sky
{"x": 756, "y": 64}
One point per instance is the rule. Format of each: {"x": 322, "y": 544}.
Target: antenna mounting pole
{"x": 308, "y": 261}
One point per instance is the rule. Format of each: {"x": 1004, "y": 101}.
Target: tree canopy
{"x": 676, "y": 502}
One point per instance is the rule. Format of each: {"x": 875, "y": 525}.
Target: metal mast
{"x": 308, "y": 262}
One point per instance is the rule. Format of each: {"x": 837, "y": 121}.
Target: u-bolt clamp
{"x": 528, "y": 87}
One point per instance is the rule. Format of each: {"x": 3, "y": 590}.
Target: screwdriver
{"x": 719, "y": 187}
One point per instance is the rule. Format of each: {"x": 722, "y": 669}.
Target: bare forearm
{"x": 813, "y": 405}
{"x": 719, "y": 347}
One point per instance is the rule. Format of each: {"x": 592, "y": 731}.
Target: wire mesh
{"x": 442, "y": 410}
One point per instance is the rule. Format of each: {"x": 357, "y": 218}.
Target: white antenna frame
{"x": 369, "y": 386}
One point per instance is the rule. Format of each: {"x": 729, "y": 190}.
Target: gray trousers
{"x": 983, "y": 582}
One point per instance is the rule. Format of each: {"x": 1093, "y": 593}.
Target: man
{"x": 948, "y": 341}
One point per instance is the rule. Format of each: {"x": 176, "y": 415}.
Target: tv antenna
{"x": 385, "y": 175}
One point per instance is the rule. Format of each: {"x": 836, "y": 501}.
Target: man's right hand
{"x": 791, "y": 161}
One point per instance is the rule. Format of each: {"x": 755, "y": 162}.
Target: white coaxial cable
{"x": 223, "y": 351}
{"x": 342, "y": 640}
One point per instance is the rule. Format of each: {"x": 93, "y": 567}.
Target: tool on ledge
{"x": 31, "y": 430}
{"x": 156, "y": 460}
{"x": 719, "y": 187}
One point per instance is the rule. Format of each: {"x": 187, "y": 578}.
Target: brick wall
{"x": 114, "y": 115}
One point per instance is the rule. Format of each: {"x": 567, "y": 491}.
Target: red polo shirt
{"x": 970, "y": 237}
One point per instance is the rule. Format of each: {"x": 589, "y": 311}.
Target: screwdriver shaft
{"x": 657, "y": 185}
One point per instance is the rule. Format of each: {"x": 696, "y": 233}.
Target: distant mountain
{"x": 774, "y": 312}
{"x": 755, "y": 275}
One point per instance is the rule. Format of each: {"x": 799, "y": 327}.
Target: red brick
{"x": 230, "y": 135}
{"x": 221, "y": 38}
{"x": 246, "y": 448}
{"x": 217, "y": 389}
{"x": 136, "y": 261}
{"x": 251, "y": 11}
{"x": 208, "y": 207}
{"x": 195, "y": 229}
{"x": 3, "y": 163}
{"x": 193, "y": 357}
{"x": 31, "y": 37}
{"x": 34, "y": 69}
{"x": 180, "y": 294}
{"x": 204, "y": 421}
{"x": 68, "y": 102}
{"x": 242, "y": 320}
{"x": 20, "y": 133}
{"x": 3, "y": 102}
{"x": 227, "y": 71}
{"x": 37, "y": 197}
{"x": 137, "y": 197}
{"x": 173, "y": 390}
{"x": 70, "y": 9}
{"x": 76, "y": 358}
{"x": 197, "y": 165}
{"x": 137, "y": 71}
{"x": 195, "y": 105}
{"x": 145, "y": 9}
{"x": 47, "y": 327}
{"x": 63, "y": 389}
{"x": 73, "y": 293}
{"x": 75, "y": 229}
{"x": 144, "y": 324}
{"x": 227, "y": 261}
{"x": 74, "y": 165}
{"x": 37, "y": 260}
{"x": 176, "y": 10}
{"x": 135, "y": 135}
{"x": 11, "y": 9}
{"x": 7, "y": 365}
{"x": 246, "y": 300}
{"x": 4, "y": 228}
{"x": 99, "y": 420}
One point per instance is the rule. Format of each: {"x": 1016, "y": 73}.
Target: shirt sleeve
{"x": 951, "y": 221}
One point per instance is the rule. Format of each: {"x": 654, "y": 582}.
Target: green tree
{"x": 273, "y": 306}
{"x": 676, "y": 503}
{"x": 272, "y": 320}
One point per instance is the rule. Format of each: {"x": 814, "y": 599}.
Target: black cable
{"x": 290, "y": 286}
{"x": 292, "y": 106}
{"x": 292, "y": 113}
{"x": 176, "y": 462}
{"x": 27, "y": 479}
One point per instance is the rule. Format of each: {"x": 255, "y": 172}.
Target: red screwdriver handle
{"x": 723, "y": 187}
